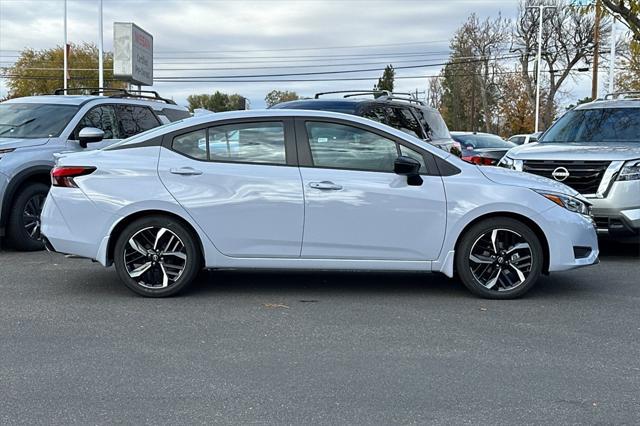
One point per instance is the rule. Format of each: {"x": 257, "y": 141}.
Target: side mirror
{"x": 90, "y": 135}
{"x": 409, "y": 167}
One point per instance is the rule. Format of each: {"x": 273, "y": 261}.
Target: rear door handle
{"x": 185, "y": 171}
{"x": 325, "y": 185}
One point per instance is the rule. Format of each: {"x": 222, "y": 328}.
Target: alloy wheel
{"x": 501, "y": 259}
{"x": 31, "y": 215}
{"x": 155, "y": 257}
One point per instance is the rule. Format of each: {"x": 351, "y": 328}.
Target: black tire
{"x": 153, "y": 276}
{"x": 23, "y": 230}
{"x": 478, "y": 234}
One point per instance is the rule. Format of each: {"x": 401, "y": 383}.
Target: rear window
{"x": 433, "y": 123}
{"x": 479, "y": 141}
{"x": 174, "y": 114}
{"x": 596, "y": 125}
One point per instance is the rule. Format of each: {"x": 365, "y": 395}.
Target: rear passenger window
{"x": 248, "y": 143}
{"x": 193, "y": 144}
{"x": 135, "y": 119}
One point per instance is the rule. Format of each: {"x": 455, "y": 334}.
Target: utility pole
{"x": 100, "y": 54}
{"x": 612, "y": 58}
{"x": 65, "y": 51}
{"x": 541, "y": 9}
{"x": 596, "y": 53}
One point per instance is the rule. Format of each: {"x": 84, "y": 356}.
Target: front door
{"x": 356, "y": 207}
{"x": 237, "y": 182}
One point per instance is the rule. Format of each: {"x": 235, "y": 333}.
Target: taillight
{"x": 481, "y": 161}
{"x": 63, "y": 176}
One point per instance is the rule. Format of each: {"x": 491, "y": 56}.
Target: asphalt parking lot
{"x": 323, "y": 348}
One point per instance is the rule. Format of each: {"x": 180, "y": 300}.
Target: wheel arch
{"x": 122, "y": 224}
{"x": 517, "y": 216}
{"x": 39, "y": 174}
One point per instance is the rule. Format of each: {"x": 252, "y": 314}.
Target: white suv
{"x": 295, "y": 189}
{"x": 34, "y": 129}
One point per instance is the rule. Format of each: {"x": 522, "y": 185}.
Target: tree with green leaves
{"x": 275, "y": 97}
{"x": 39, "y": 72}
{"x": 386, "y": 81}
{"x": 217, "y": 102}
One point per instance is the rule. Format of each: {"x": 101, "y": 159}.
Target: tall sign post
{"x": 133, "y": 54}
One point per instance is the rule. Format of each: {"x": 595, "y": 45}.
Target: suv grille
{"x": 584, "y": 176}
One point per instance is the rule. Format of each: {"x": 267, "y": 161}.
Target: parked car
{"x": 594, "y": 149}
{"x": 399, "y": 110}
{"x": 294, "y": 189}
{"x": 483, "y": 149}
{"x": 525, "y": 138}
{"x": 34, "y": 129}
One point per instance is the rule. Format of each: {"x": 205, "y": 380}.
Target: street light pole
{"x": 541, "y": 9}
{"x": 64, "y": 51}
{"x": 100, "y": 55}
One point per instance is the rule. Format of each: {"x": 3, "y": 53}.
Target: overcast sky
{"x": 262, "y": 37}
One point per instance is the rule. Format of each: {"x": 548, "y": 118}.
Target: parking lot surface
{"x": 322, "y": 348}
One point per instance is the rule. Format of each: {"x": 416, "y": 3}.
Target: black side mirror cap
{"x": 409, "y": 167}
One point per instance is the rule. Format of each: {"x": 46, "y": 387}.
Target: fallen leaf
{"x": 275, "y": 305}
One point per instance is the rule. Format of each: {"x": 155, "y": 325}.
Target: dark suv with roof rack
{"x": 399, "y": 110}
{"x": 595, "y": 149}
{"x": 34, "y": 129}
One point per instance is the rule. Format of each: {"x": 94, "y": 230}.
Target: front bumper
{"x": 618, "y": 214}
{"x": 572, "y": 239}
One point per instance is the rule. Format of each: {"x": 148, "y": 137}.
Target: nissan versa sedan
{"x": 313, "y": 190}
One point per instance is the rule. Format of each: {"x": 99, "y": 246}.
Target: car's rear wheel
{"x": 499, "y": 258}
{"x": 23, "y": 228}
{"x": 157, "y": 256}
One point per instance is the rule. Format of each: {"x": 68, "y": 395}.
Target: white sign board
{"x": 133, "y": 54}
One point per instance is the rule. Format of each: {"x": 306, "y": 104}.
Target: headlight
{"x": 510, "y": 163}
{"x": 568, "y": 202}
{"x": 630, "y": 170}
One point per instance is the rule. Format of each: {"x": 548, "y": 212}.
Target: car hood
{"x": 8, "y": 143}
{"x": 526, "y": 180}
{"x": 576, "y": 151}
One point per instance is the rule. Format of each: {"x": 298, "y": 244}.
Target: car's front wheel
{"x": 499, "y": 258}
{"x": 157, "y": 256}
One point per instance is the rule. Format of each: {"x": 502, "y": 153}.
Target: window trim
{"x": 304, "y": 149}
{"x": 290, "y": 149}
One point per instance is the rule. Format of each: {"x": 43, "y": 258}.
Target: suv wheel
{"x": 499, "y": 258}
{"x": 157, "y": 256}
{"x": 23, "y": 229}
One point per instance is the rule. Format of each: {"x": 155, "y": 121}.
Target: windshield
{"x": 31, "y": 121}
{"x": 482, "y": 141}
{"x": 596, "y": 125}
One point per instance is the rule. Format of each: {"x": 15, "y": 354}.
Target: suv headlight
{"x": 630, "y": 170}
{"x": 568, "y": 202}
{"x": 510, "y": 163}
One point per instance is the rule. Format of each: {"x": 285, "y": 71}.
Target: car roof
{"x": 78, "y": 100}
{"x": 610, "y": 103}
{"x": 279, "y": 113}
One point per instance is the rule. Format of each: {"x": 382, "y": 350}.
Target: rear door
{"x": 356, "y": 207}
{"x": 240, "y": 182}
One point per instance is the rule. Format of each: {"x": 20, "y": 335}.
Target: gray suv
{"x": 595, "y": 149}
{"x": 34, "y": 129}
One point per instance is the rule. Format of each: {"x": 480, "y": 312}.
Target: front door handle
{"x": 325, "y": 185}
{"x": 185, "y": 171}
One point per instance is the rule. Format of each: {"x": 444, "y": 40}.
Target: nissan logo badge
{"x": 560, "y": 174}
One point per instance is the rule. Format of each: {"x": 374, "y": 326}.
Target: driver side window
{"x": 345, "y": 147}
{"x": 102, "y": 117}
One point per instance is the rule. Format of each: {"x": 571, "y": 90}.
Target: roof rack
{"x": 116, "y": 93}
{"x": 623, "y": 95}
{"x": 354, "y": 93}
{"x": 384, "y": 95}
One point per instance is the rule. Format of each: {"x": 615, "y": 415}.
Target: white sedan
{"x": 295, "y": 189}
